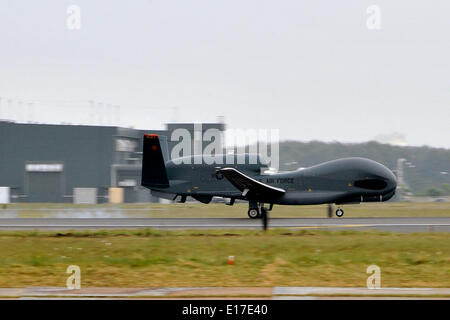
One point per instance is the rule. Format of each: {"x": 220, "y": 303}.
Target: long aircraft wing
{"x": 249, "y": 186}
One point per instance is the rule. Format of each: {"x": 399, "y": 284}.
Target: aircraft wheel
{"x": 339, "y": 212}
{"x": 253, "y": 213}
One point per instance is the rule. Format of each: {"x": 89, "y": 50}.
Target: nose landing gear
{"x": 339, "y": 212}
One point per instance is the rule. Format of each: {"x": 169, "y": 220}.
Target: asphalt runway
{"x": 276, "y": 293}
{"x": 408, "y": 224}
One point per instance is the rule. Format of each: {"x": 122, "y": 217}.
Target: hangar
{"x": 75, "y": 163}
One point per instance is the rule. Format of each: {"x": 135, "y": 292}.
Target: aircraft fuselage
{"x": 348, "y": 180}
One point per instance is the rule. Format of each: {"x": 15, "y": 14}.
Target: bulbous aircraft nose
{"x": 391, "y": 180}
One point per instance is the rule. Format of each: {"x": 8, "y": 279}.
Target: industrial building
{"x": 76, "y": 163}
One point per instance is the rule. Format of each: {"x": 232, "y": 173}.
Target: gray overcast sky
{"x": 309, "y": 68}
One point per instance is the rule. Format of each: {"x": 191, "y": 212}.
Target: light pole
{"x": 401, "y": 183}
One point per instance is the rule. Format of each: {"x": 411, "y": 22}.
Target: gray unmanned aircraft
{"x": 342, "y": 181}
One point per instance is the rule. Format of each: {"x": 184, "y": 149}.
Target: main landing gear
{"x": 257, "y": 210}
{"x": 253, "y": 213}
